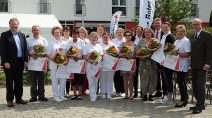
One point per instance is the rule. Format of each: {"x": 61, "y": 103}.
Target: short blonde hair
{"x": 92, "y": 34}
{"x": 55, "y": 28}
{"x": 120, "y": 29}
{"x": 82, "y": 29}
{"x": 181, "y": 27}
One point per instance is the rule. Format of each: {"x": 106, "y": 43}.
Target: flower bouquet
{"x": 73, "y": 52}
{"x": 93, "y": 57}
{"x": 60, "y": 58}
{"x": 39, "y": 49}
{"x": 170, "y": 49}
{"x": 125, "y": 51}
{"x": 142, "y": 52}
{"x": 153, "y": 45}
{"x": 112, "y": 51}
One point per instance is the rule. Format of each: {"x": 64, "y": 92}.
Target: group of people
{"x": 154, "y": 78}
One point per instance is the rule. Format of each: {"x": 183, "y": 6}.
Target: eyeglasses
{"x": 128, "y": 35}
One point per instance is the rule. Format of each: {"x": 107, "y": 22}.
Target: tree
{"x": 175, "y": 10}
{"x": 210, "y": 21}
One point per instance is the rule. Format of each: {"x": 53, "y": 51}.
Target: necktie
{"x": 195, "y": 36}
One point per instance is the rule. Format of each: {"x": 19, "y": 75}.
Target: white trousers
{"x": 93, "y": 84}
{"x": 58, "y": 91}
{"x": 106, "y": 82}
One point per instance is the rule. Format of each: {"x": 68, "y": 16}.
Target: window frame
{"x": 120, "y": 6}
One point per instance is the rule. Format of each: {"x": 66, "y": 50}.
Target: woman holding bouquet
{"x": 106, "y": 76}
{"x": 83, "y": 34}
{"x": 147, "y": 67}
{"x": 128, "y": 76}
{"x": 118, "y": 80}
{"x": 67, "y": 38}
{"x": 77, "y": 82}
{"x": 184, "y": 49}
{"x": 56, "y": 47}
{"x": 167, "y": 38}
{"x": 92, "y": 52}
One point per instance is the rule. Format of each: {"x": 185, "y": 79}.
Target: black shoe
{"x": 79, "y": 97}
{"x": 141, "y": 94}
{"x": 158, "y": 94}
{"x": 21, "y": 101}
{"x": 144, "y": 98}
{"x": 193, "y": 108}
{"x": 42, "y": 99}
{"x": 135, "y": 95}
{"x": 74, "y": 97}
{"x": 33, "y": 100}
{"x": 181, "y": 105}
{"x": 196, "y": 111}
{"x": 150, "y": 98}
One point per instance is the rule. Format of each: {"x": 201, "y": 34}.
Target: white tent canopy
{"x": 26, "y": 21}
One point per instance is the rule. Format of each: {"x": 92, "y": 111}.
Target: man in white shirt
{"x": 37, "y": 64}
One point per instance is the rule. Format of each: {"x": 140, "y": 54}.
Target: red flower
{"x": 91, "y": 56}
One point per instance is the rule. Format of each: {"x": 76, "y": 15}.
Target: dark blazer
{"x": 9, "y": 48}
{"x": 161, "y": 34}
{"x": 201, "y": 48}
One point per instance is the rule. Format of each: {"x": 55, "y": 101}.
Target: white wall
{"x": 24, "y": 6}
{"x": 205, "y": 7}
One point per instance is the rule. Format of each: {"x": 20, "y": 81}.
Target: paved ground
{"x": 115, "y": 108}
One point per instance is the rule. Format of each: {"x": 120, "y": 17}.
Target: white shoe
{"x": 63, "y": 98}
{"x": 122, "y": 94}
{"x": 165, "y": 100}
{"x": 93, "y": 99}
{"x": 109, "y": 97}
{"x": 103, "y": 96}
{"x": 57, "y": 99}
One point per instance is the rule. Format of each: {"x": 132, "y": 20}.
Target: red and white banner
{"x": 146, "y": 13}
{"x": 114, "y": 22}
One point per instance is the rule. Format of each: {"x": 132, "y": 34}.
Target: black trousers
{"x": 160, "y": 76}
{"x": 14, "y": 80}
{"x": 182, "y": 86}
{"x": 136, "y": 77}
{"x": 118, "y": 82}
{"x": 198, "y": 85}
{"x": 168, "y": 73}
{"x": 68, "y": 85}
{"x": 37, "y": 83}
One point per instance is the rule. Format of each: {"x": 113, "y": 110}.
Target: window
{"x": 4, "y": 6}
{"x": 194, "y": 10}
{"x": 67, "y": 23}
{"x": 78, "y": 7}
{"x": 119, "y": 5}
{"x": 137, "y": 5}
{"x": 44, "y": 7}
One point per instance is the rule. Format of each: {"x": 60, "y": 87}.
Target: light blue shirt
{"x": 18, "y": 43}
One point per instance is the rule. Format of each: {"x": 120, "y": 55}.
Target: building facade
{"x": 89, "y": 13}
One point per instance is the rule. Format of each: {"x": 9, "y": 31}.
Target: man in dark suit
{"x": 201, "y": 56}
{"x": 158, "y": 34}
{"x": 14, "y": 59}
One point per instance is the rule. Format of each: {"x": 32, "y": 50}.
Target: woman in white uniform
{"x": 106, "y": 76}
{"x": 57, "y": 44}
{"x": 92, "y": 80}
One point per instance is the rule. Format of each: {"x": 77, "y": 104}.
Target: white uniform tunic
{"x": 106, "y": 77}
{"x": 92, "y": 81}
{"x": 52, "y": 48}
